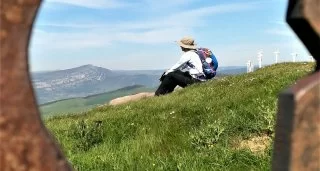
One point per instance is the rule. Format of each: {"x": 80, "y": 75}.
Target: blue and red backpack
{"x": 209, "y": 69}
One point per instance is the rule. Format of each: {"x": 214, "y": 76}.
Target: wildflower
{"x": 251, "y": 79}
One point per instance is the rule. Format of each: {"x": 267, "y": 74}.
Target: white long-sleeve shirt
{"x": 193, "y": 59}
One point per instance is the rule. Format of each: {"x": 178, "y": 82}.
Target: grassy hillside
{"x": 75, "y": 105}
{"x": 218, "y": 125}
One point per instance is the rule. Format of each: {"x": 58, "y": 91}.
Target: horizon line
{"x": 119, "y": 69}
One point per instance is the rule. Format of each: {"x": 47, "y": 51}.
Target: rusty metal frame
{"x": 297, "y": 139}
{"x": 303, "y": 17}
{"x": 27, "y": 145}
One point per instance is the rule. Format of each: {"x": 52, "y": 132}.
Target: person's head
{"x": 187, "y": 43}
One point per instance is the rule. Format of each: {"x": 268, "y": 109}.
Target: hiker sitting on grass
{"x": 188, "y": 70}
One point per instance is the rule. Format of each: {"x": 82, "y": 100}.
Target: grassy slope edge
{"x": 197, "y": 128}
{"x": 82, "y": 104}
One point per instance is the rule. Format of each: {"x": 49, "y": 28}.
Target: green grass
{"x": 83, "y": 104}
{"x": 196, "y": 128}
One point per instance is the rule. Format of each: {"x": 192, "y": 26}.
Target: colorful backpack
{"x": 209, "y": 62}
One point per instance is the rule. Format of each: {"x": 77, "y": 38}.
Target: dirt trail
{"x": 134, "y": 97}
{"x": 129, "y": 98}
{"x": 256, "y": 144}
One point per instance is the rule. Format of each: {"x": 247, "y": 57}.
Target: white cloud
{"x": 280, "y": 32}
{"x": 216, "y": 9}
{"x": 60, "y": 41}
{"x": 279, "y": 22}
{"x": 280, "y": 28}
{"x": 152, "y": 37}
{"x": 95, "y": 4}
{"x": 55, "y": 41}
{"x": 188, "y": 18}
{"x": 157, "y": 5}
{"x": 161, "y": 29}
{"x": 169, "y": 2}
{"x": 185, "y": 18}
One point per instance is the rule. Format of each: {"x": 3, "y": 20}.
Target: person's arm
{"x": 184, "y": 59}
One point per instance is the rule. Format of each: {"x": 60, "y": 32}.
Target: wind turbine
{"x": 294, "y": 56}
{"x": 260, "y": 55}
{"x": 251, "y": 66}
{"x": 248, "y": 66}
{"x": 277, "y": 55}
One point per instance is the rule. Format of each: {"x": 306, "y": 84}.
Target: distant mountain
{"x": 134, "y": 72}
{"x": 84, "y": 81}
{"x": 224, "y": 70}
{"x": 88, "y": 80}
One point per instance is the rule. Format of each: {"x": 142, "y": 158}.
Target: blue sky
{"x": 140, "y": 34}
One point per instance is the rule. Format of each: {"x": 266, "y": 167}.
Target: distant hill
{"x": 135, "y": 72}
{"x": 233, "y": 70}
{"x": 82, "y": 104}
{"x": 224, "y": 70}
{"x": 88, "y": 80}
{"x": 77, "y": 104}
{"x": 84, "y": 81}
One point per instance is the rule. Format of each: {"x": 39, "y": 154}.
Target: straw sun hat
{"x": 187, "y": 42}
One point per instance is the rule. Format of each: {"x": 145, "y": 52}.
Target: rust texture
{"x": 303, "y": 18}
{"x": 305, "y": 137}
{"x": 297, "y": 140}
{"x": 27, "y": 145}
{"x": 25, "y": 142}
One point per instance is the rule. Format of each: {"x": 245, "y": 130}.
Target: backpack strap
{"x": 201, "y": 55}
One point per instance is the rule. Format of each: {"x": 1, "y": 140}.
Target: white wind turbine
{"x": 260, "y": 55}
{"x": 294, "y": 56}
{"x": 248, "y": 66}
{"x": 277, "y": 55}
{"x": 251, "y": 67}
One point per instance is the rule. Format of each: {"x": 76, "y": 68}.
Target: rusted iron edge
{"x": 305, "y": 85}
{"x": 39, "y": 151}
{"x": 296, "y": 18}
{"x": 285, "y": 120}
